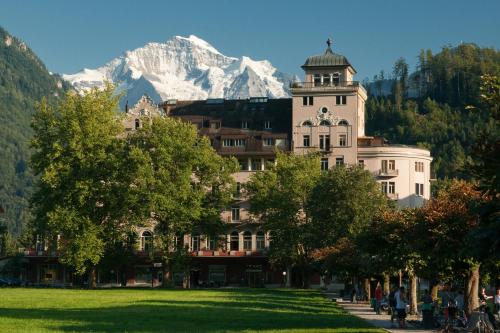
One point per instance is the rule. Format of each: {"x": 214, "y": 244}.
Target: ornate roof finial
{"x": 329, "y": 42}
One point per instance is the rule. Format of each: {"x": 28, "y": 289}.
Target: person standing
{"x": 378, "y": 297}
{"x": 401, "y": 306}
{"x": 392, "y": 303}
{"x": 483, "y": 298}
{"x": 497, "y": 302}
{"x": 427, "y": 310}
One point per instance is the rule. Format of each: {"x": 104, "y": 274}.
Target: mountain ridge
{"x": 185, "y": 68}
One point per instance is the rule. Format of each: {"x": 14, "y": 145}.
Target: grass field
{"x": 126, "y": 310}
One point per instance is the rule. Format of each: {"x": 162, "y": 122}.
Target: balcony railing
{"x": 324, "y": 85}
{"x": 388, "y": 172}
{"x": 392, "y": 196}
{"x": 221, "y": 253}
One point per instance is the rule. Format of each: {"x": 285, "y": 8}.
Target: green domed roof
{"x": 326, "y": 59}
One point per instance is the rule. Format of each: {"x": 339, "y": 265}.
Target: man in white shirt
{"x": 401, "y": 306}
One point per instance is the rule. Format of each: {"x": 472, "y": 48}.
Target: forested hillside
{"x": 24, "y": 80}
{"x": 438, "y": 115}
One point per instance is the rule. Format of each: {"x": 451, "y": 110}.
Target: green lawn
{"x": 128, "y": 310}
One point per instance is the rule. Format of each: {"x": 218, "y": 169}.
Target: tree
{"x": 279, "y": 196}
{"x": 80, "y": 194}
{"x": 341, "y": 206}
{"x": 445, "y": 225}
{"x": 183, "y": 183}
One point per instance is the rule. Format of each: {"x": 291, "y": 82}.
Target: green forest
{"x": 24, "y": 81}
{"x": 437, "y": 106}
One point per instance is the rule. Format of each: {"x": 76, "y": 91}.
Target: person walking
{"x": 497, "y": 302}
{"x": 427, "y": 310}
{"x": 378, "y": 298}
{"x": 392, "y": 303}
{"x": 401, "y": 306}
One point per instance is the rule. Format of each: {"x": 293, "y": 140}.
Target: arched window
{"x": 247, "y": 241}
{"x": 324, "y": 123}
{"x": 195, "y": 242}
{"x": 336, "y": 78}
{"x": 307, "y": 123}
{"x": 137, "y": 123}
{"x": 343, "y": 122}
{"x": 235, "y": 241}
{"x": 261, "y": 240}
{"x": 147, "y": 241}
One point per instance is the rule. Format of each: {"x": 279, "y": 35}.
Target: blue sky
{"x": 70, "y": 35}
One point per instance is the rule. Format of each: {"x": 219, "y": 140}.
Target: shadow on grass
{"x": 252, "y": 311}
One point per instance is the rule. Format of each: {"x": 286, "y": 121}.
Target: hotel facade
{"x": 325, "y": 115}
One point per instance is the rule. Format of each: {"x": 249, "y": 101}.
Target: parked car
{"x": 4, "y": 282}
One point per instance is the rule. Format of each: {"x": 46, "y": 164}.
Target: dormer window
{"x": 267, "y": 124}
{"x": 336, "y": 78}
{"x": 326, "y": 79}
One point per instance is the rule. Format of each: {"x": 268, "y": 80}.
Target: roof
{"x": 231, "y": 113}
{"x": 326, "y": 59}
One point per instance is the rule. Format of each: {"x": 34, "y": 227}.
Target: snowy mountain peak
{"x": 185, "y": 68}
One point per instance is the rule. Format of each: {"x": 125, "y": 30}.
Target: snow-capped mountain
{"x": 185, "y": 68}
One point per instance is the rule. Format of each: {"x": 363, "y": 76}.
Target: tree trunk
{"x": 93, "y": 277}
{"x": 367, "y": 288}
{"x": 434, "y": 289}
{"x": 413, "y": 293}
{"x": 472, "y": 290}
{"x": 288, "y": 277}
{"x": 400, "y": 276}
{"x": 387, "y": 284}
{"x": 167, "y": 274}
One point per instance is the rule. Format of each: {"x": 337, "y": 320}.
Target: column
{"x": 249, "y": 166}
{"x": 262, "y": 164}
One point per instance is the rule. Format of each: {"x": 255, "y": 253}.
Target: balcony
{"x": 222, "y": 253}
{"x": 388, "y": 173}
{"x": 298, "y": 86}
{"x": 392, "y": 196}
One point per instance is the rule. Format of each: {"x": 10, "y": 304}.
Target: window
{"x": 324, "y": 164}
{"x": 342, "y": 140}
{"x": 222, "y": 244}
{"x": 237, "y": 192}
{"x": 244, "y": 124}
{"x": 388, "y": 166}
{"x": 137, "y": 123}
{"x": 324, "y": 110}
{"x": 267, "y": 124}
{"x": 307, "y": 100}
{"x": 195, "y": 242}
{"x": 239, "y": 142}
{"x": 361, "y": 163}
{"x": 317, "y": 80}
{"x": 336, "y": 78}
{"x": 243, "y": 164}
{"x": 247, "y": 241}
{"x": 326, "y": 79}
{"x": 324, "y": 123}
{"x": 392, "y": 188}
{"x": 419, "y": 166}
{"x": 307, "y": 123}
{"x": 341, "y": 100}
{"x": 256, "y": 164}
{"x": 235, "y": 214}
{"x": 210, "y": 243}
{"x": 178, "y": 241}
{"x": 234, "y": 243}
{"x": 343, "y": 122}
{"x": 261, "y": 240}
{"x": 324, "y": 142}
{"x": 307, "y": 141}
{"x": 384, "y": 187}
{"x": 339, "y": 161}
{"x": 147, "y": 241}
{"x": 215, "y": 124}
{"x": 227, "y": 143}
{"x": 419, "y": 189}
{"x": 268, "y": 142}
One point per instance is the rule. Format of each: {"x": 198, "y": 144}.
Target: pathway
{"x": 364, "y": 311}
